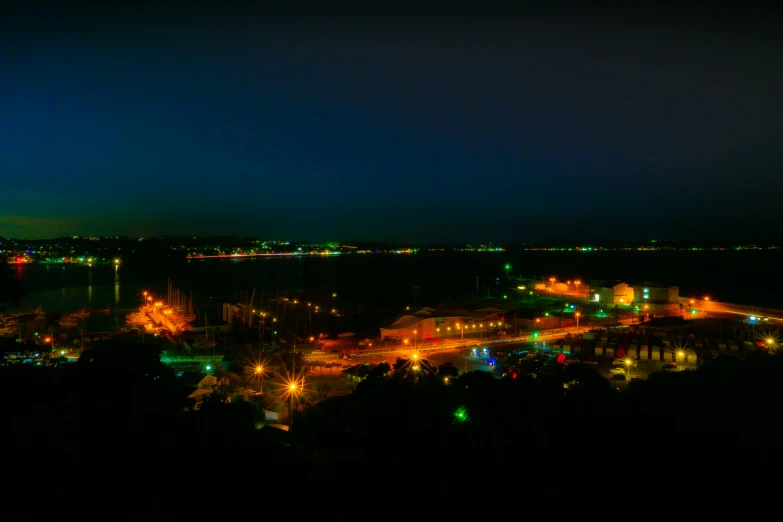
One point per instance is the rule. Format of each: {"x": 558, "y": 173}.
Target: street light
{"x": 577, "y": 314}
{"x": 627, "y": 368}
{"x": 292, "y": 390}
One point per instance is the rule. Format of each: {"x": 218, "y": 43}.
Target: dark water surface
{"x": 392, "y": 281}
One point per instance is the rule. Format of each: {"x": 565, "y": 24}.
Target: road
{"x": 450, "y": 350}
{"x": 449, "y": 345}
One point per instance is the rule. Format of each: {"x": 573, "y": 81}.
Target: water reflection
{"x": 116, "y": 286}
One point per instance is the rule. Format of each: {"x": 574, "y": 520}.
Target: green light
{"x": 505, "y": 297}
{"x": 546, "y": 314}
{"x": 508, "y": 267}
{"x": 209, "y": 367}
{"x": 461, "y": 415}
{"x": 275, "y": 332}
{"x": 535, "y": 334}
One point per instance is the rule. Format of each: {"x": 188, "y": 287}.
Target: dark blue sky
{"x": 391, "y": 125}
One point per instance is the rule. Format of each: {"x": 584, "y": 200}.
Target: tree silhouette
{"x": 448, "y": 370}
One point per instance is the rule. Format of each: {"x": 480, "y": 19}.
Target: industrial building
{"x": 613, "y": 293}
{"x": 658, "y": 294}
{"x": 431, "y": 323}
{"x": 621, "y": 293}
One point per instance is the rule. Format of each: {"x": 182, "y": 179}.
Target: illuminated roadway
{"x": 451, "y": 345}
{"x": 707, "y": 305}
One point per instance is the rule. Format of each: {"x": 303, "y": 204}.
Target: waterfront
{"x": 391, "y": 282}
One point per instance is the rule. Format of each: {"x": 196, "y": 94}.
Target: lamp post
{"x": 577, "y": 314}
{"x": 259, "y": 373}
{"x": 627, "y": 368}
{"x": 291, "y": 392}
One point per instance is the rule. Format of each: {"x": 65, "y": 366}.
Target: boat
{"x": 82, "y": 314}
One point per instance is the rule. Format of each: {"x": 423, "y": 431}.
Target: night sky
{"x": 390, "y": 124}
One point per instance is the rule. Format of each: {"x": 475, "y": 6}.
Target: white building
{"x": 613, "y": 293}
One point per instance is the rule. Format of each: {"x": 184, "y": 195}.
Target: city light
{"x": 461, "y": 415}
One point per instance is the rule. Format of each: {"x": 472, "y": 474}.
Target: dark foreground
{"x": 109, "y": 435}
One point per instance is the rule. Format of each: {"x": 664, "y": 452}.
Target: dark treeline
{"x": 115, "y": 424}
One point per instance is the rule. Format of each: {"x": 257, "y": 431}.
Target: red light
{"x": 427, "y": 336}
{"x": 514, "y": 375}
{"x": 561, "y": 358}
